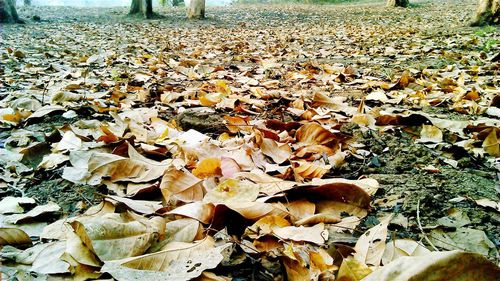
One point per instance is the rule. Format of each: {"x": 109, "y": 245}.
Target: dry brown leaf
{"x": 452, "y": 266}
{"x": 179, "y": 261}
{"x": 268, "y": 185}
{"x": 315, "y": 234}
{"x": 341, "y": 191}
{"x": 307, "y": 170}
{"x": 370, "y": 186}
{"x": 402, "y": 248}
{"x": 49, "y": 262}
{"x": 371, "y": 245}
{"x": 264, "y": 226}
{"x": 79, "y": 246}
{"x": 199, "y": 211}
{"x": 278, "y": 152}
{"x": 489, "y": 204}
{"x": 13, "y": 236}
{"x": 315, "y": 134}
{"x": 251, "y": 210}
{"x": 114, "y": 237}
{"x": 300, "y": 209}
{"x": 139, "y": 206}
{"x": 182, "y": 185}
{"x": 91, "y": 167}
{"x": 48, "y": 209}
{"x": 237, "y": 124}
{"x": 182, "y": 230}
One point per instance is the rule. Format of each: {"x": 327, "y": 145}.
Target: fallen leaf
{"x": 315, "y": 234}
{"x": 232, "y": 191}
{"x": 208, "y": 167}
{"x": 471, "y": 240}
{"x": 352, "y": 270}
{"x": 430, "y": 134}
{"x": 489, "y": 204}
{"x": 402, "y": 248}
{"x": 371, "y": 245}
{"x": 13, "y": 205}
{"x": 491, "y": 144}
{"x": 180, "y": 261}
{"x": 38, "y": 211}
{"x": 13, "y": 236}
{"x": 453, "y": 266}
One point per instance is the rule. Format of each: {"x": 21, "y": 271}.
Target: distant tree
{"x": 398, "y": 3}
{"x": 8, "y": 12}
{"x": 27, "y": 2}
{"x": 142, "y": 7}
{"x": 196, "y": 9}
{"x": 488, "y": 12}
{"x": 174, "y": 3}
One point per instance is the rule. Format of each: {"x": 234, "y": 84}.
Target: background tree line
{"x": 488, "y": 11}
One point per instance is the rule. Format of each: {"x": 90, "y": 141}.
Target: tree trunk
{"x": 8, "y": 12}
{"x": 488, "y": 12}
{"x": 196, "y": 9}
{"x": 27, "y": 2}
{"x": 398, "y": 3}
{"x": 142, "y": 7}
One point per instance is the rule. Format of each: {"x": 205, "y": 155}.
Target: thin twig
{"x": 421, "y": 228}
{"x": 45, "y": 90}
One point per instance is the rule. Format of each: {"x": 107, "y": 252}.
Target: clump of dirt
{"x": 203, "y": 121}
{"x": 72, "y": 198}
{"x": 397, "y": 162}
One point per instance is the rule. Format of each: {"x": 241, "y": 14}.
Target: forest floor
{"x": 412, "y": 96}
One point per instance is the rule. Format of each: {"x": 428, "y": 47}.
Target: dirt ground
{"x": 381, "y": 44}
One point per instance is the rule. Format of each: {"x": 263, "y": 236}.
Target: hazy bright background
{"x": 105, "y": 3}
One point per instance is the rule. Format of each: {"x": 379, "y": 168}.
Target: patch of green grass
{"x": 490, "y": 43}
{"x": 485, "y": 31}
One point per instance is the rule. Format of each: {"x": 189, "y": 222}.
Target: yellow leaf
{"x": 224, "y": 137}
{"x": 163, "y": 135}
{"x": 222, "y": 87}
{"x": 352, "y": 270}
{"x": 210, "y": 99}
{"x": 16, "y": 117}
{"x": 208, "y": 167}
{"x": 491, "y": 144}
